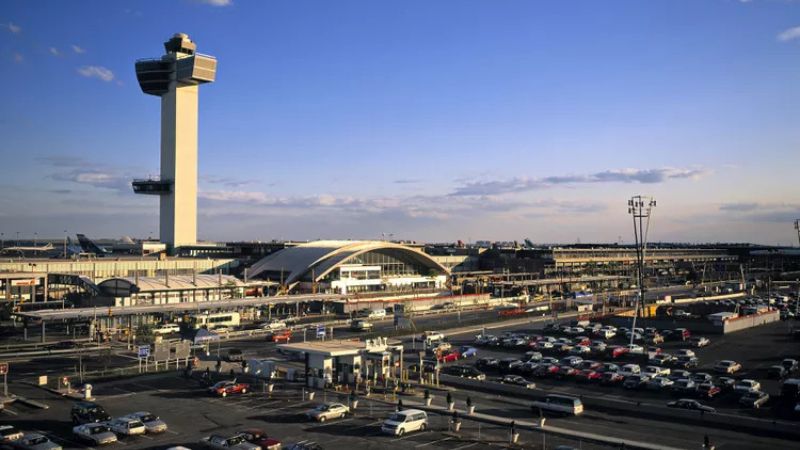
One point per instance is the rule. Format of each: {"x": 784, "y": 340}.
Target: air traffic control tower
{"x": 175, "y": 77}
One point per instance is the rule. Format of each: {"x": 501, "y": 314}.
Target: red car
{"x": 450, "y": 357}
{"x": 581, "y": 340}
{"x": 280, "y": 336}
{"x": 618, "y": 351}
{"x": 566, "y": 371}
{"x": 225, "y": 388}
{"x": 260, "y": 438}
{"x": 707, "y": 390}
{"x": 588, "y": 375}
{"x": 611, "y": 378}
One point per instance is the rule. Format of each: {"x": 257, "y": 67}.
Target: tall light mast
{"x": 640, "y": 208}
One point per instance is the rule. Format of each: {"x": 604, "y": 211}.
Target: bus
{"x": 214, "y": 320}
{"x": 560, "y": 404}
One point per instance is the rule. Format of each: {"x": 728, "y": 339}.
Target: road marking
{"x": 434, "y": 442}
{"x": 10, "y": 411}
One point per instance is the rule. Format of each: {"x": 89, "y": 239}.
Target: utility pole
{"x": 640, "y": 207}
{"x": 797, "y": 227}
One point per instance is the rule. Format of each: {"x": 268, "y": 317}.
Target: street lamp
{"x": 640, "y": 207}
{"x": 797, "y": 227}
{"x": 65, "y": 244}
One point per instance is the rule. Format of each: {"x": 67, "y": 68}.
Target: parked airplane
{"x": 89, "y": 246}
{"x": 21, "y": 249}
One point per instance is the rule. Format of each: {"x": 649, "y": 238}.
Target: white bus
{"x": 560, "y": 404}
{"x": 214, "y": 320}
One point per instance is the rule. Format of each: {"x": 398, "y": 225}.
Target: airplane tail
{"x": 89, "y": 246}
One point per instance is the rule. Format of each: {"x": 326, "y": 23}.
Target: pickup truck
{"x": 237, "y": 442}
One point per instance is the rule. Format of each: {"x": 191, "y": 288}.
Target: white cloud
{"x": 54, "y": 51}
{"x": 215, "y": 2}
{"x": 77, "y": 49}
{"x": 16, "y": 29}
{"x": 98, "y": 72}
{"x": 789, "y": 35}
{"x": 525, "y": 184}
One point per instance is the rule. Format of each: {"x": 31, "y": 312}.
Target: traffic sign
{"x": 320, "y": 331}
{"x": 3, "y": 368}
{"x": 144, "y": 351}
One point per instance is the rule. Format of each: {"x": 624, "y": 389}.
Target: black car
{"x": 778, "y": 372}
{"x": 88, "y": 412}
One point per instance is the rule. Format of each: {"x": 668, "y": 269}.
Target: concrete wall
{"x": 745, "y": 322}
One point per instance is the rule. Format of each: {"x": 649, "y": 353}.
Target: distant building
{"x": 351, "y": 266}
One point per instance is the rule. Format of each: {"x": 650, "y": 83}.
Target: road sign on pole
{"x": 320, "y": 331}
{"x": 144, "y": 351}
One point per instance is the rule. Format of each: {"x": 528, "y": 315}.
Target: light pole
{"x": 640, "y": 207}
{"x": 797, "y": 227}
{"x": 65, "y": 244}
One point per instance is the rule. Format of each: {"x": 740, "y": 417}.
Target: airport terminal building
{"x": 346, "y": 267}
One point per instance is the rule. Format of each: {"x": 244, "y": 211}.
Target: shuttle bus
{"x": 214, "y": 320}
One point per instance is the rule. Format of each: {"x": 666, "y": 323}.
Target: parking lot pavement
{"x": 191, "y": 414}
{"x": 756, "y": 349}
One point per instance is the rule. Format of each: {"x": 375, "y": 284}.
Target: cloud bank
{"x": 99, "y": 72}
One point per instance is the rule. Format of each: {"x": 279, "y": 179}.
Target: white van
{"x": 629, "y": 370}
{"x": 377, "y": 314}
{"x": 405, "y": 421}
{"x": 560, "y": 404}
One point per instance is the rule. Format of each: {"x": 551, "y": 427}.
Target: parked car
{"x": 487, "y": 363}
{"x": 611, "y": 378}
{"x": 432, "y": 336}
{"x": 519, "y": 381}
{"x": 791, "y": 365}
{"x": 727, "y": 366}
{"x": 687, "y": 403}
{"x": 127, "y": 426}
{"x": 686, "y": 362}
{"x": 635, "y": 381}
{"x": 273, "y": 325}
{"x": 259, "y": 437}
{"x": 235, "y": 442}
{"x": 88, "y": 412}
{"x": 778, "y": 372}
{"x": 225, "y": 388}
{"x": 95, "y": 433}
{"x": 684, "y": 386}
{"x": 327, "y": 411}
{"x": 36, "y": 441}
{"x": 685, "y": 352}
{"x": 469, "y": 352}
{"x": 167, "y": 328}
{"x": 707, "y": 390}
{"x": 151, "y": 422}
{"x": 679, "y": 375}
{"x": 235, "y": 355}
{"x": 305, "y": 445}
{"x": 754, "y": 399}
{"x": 656, "y": 371}
{"x": 659, "y": 383}
{"x": 9, "y": 434}
{"x": 450, "y": 356}
{"x": 702, "y": 377}
{"x": 746, "y": 385}
{"x": 700, "y": 341}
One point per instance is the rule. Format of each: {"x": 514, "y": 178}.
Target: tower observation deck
{"x": 175, "y": 78}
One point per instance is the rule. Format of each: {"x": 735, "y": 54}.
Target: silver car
{"x": 151, "y": 422}
{"x": 36, "y": 441}
{"x": 327, "y": 411}
{"x": 96, "y": 433}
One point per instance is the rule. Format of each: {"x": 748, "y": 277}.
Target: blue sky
{"x": 430, "y": 120}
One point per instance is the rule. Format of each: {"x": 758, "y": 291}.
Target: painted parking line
{"x": 333, "y": 422}
{"x": 434, "y": 442}
{"x": 420, "y": 433}
{"x": 9, "y": 411}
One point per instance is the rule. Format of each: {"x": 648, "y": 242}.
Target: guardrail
{"x": 6, "y": 356}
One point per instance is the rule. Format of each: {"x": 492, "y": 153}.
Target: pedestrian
{"x": 219, "y": 366}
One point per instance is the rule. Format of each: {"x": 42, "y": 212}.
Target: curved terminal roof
{"x": 324, "y": 256}
{"x": 173, "y": 283}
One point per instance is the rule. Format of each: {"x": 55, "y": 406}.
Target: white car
{"x": 443, "y": 347}
{"x": 685, "y": 352}
{"x": 433, "y": 336}
{"x": 96, "y": 433}
{"x": 635, "y": 349}
{"x": 151, "y": 422}
{"x": 327, "y": 411}
{"x": 36, "y": 441}
{"x": 127, "y": 426}
{"x": 9, "y": 434}
{"x": 274, "y": 325}
{"x": 746, "y": 385}
{"x": 656, "y": 371}
{"x": 727, "y": 366}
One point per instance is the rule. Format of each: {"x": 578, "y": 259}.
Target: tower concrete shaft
{"x": 175, "y": 78}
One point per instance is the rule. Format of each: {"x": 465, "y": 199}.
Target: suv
{"x": 404, "y": 421}
{"x": 88, "y": 412}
